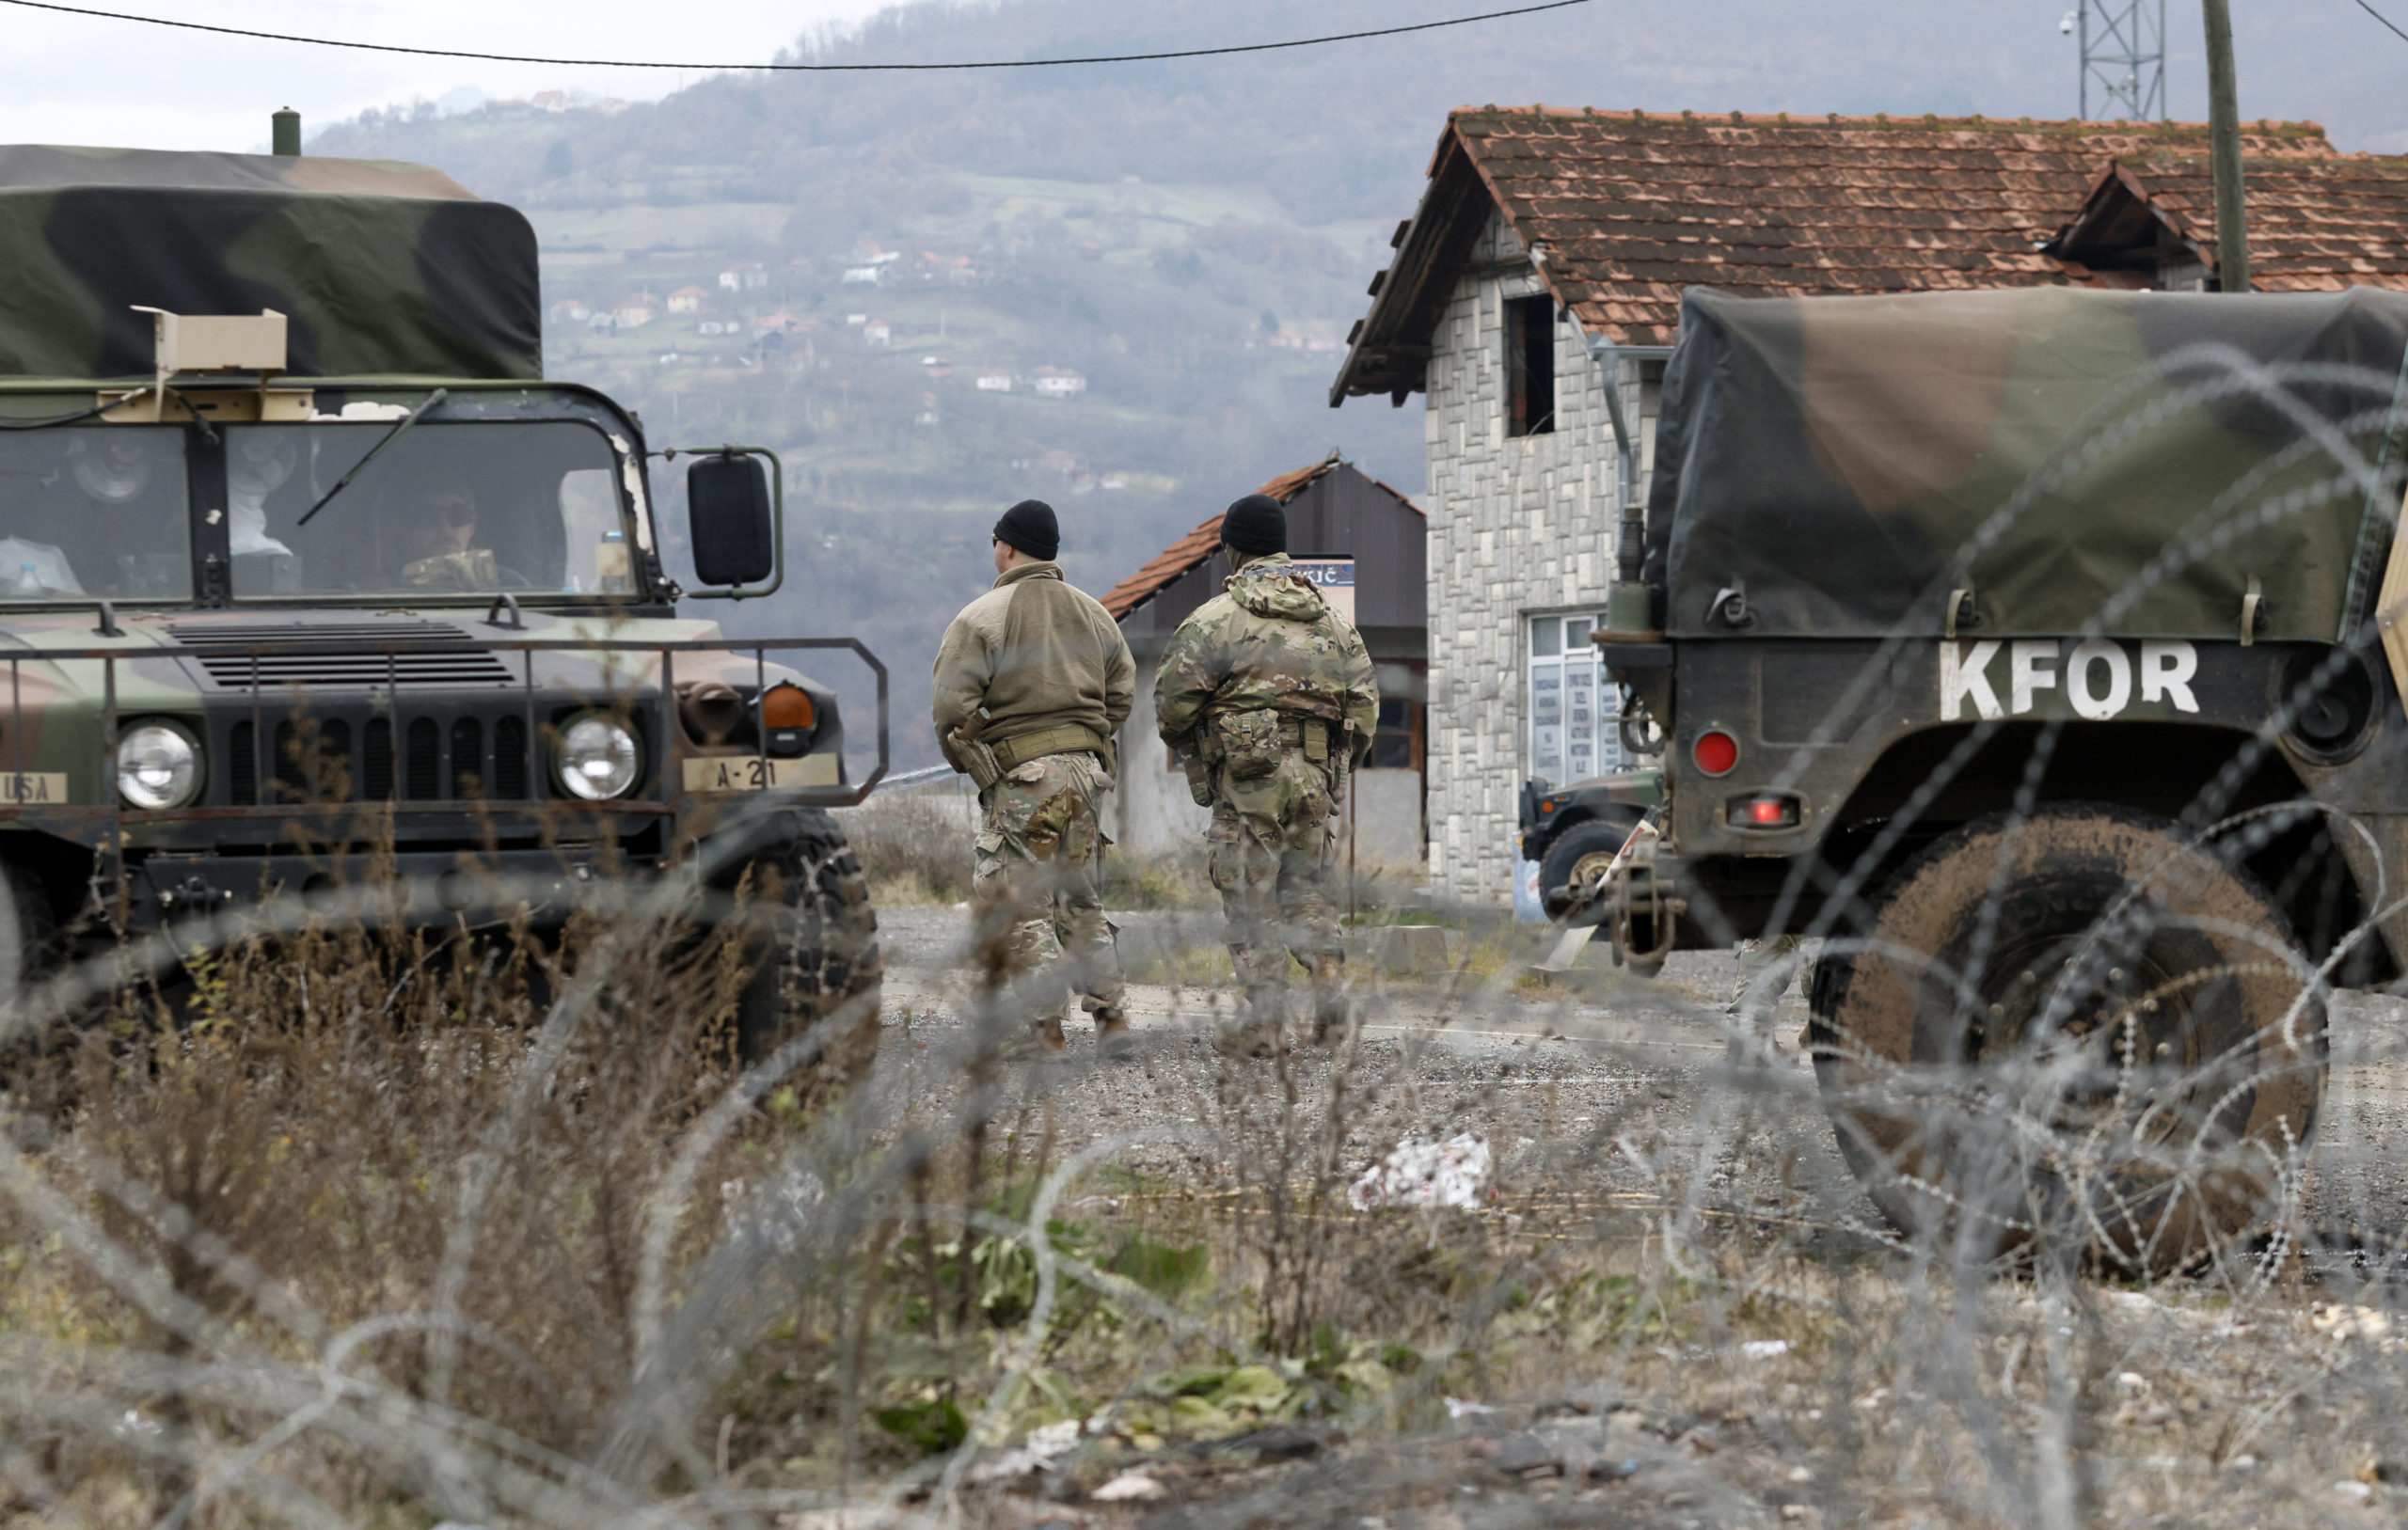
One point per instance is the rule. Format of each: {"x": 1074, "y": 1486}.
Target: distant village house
{"x": 1057, "y": 382}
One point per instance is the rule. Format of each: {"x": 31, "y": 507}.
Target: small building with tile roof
{"x": 1356, "y": 530}
{"x": 1536, "y": 292}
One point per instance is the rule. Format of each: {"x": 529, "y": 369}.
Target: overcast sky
{"x": 85, "y": 81}
{"x": 81, "y": 80}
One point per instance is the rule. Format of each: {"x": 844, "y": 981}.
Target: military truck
{"x": 307, "y": 575}
{"x": 1573, "y": 833}
{"x": 2035, "y": 650}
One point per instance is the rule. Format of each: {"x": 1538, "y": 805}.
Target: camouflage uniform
{"x": 1274, "y": 693}
{"x": 1032, "y": 681}
{"x": 1039, "y": 850}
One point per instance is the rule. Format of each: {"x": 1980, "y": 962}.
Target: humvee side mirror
{"x": 736, "y": 518}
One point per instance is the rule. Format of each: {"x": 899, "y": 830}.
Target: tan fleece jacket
{"x": 1036, "y": 654}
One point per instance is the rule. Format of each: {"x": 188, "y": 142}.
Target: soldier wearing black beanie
{"x": 1255, "y": 526}
{"x": 1032, "y": 682}
{"x": 1270, "y": 697}
{"x": 1030, "y": 527}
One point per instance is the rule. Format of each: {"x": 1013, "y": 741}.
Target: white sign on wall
{"x": 1335, "y": 578}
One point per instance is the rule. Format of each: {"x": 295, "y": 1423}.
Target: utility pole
{"x": 2224, "y": 129}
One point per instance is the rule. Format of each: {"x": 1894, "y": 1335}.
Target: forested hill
{"x": 1120, "y": 287}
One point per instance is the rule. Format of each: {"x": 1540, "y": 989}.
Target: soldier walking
{"x": 1032, "y": 681}
{"x": 1269, "y": 695}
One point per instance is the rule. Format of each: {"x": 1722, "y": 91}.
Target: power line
{"x": 793, "y": 68}
{"x": 2384, "y": 19}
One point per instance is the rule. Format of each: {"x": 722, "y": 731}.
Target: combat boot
{"x": 1112, "y": 1035}
{"x": 1333, "y": 1010}
{"x": 1260, "y": 1031}
{"x": 1046, "y": 1035}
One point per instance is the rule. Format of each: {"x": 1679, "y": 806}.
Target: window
{"x": 1529, "y": 364}
{"x": 94, "y": 509}
{"x": 1575, "y": 709}
{"x": 450, "y": 508}
{"x": 1397, "y": 744}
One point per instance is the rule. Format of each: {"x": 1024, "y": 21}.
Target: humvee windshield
{"x": 449, "y": 509}
{"x": 446, "y": 509}
{"x": 96, "y": 510}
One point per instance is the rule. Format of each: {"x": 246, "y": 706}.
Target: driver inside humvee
{"x": 436, "y": 541}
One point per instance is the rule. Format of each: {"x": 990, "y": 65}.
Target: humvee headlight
{"x": 158, "y": 766}
{"x": 600, "y": 759}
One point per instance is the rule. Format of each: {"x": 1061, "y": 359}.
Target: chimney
{"x": 284, "y": 134}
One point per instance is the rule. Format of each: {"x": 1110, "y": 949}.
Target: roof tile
{"x": 1634, "y": 207}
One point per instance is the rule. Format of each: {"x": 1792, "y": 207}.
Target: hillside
{"x": 896, "y": 283}
{"x": 1183, "y": 244}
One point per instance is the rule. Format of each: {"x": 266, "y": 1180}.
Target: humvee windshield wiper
{"x": 390, "y": 437}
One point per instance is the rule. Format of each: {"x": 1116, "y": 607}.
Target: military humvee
{"x": 306, "y": 573}
{"x": 2036, "y": 648}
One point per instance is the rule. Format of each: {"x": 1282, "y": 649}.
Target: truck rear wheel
{"x": 816, "y": 940}
{"x": 2074, "y": 1030}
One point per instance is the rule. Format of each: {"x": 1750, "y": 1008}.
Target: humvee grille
{"x": 318, "y": 763}
{"x": 365, "y": 671}
{"x": 440, "y": 655}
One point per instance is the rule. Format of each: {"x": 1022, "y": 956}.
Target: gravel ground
{"x": 1578, "y": 1080}
{"x": 1541, "y": 1074}
{"x": 1522, "y": 1066}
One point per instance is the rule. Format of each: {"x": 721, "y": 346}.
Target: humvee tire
{"x": 28, "y": 938}
{"x": 817, "y": 946}
{"x": 2144, "y": 1049}
{"x": 1578, "y": 858}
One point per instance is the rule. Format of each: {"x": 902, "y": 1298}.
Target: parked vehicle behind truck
{"x": 2035, "y": 650}
{"x": 308, "y": 575}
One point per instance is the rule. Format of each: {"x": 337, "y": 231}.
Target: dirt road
{"x": 1544, "y": 1073}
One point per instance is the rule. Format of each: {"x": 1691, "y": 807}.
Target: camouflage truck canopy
{"x": 382, "y": 267}
{"x": 2133, "y": 459}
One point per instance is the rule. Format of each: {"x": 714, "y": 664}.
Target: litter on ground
{"x": 1417, "y": 1173}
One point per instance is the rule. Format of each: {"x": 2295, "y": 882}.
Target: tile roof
{"x": 1625, "y": 210}
{"x": 1190, "y": 551}
{"x": 2315, "y": 225}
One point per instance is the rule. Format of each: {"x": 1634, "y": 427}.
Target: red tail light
{"x": 1717, "y": 753}
{"x": 1764, "y": 810}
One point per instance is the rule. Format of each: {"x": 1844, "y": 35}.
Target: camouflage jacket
{"x": 1267, "y": 641}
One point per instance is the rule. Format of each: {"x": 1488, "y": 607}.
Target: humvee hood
{"x": 2040, "y": 460}
{"x": 383, "y": 268}
{"x": 1273, "y": 588}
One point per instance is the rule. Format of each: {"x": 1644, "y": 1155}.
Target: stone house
{"x": 1535, "y": 295}
{"x": 1362, "y": 541}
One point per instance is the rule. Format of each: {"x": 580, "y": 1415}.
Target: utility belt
{"x": 1249, "y": 743}
{"x": 986, "y": 763}
{"x": 1070, "y": 738}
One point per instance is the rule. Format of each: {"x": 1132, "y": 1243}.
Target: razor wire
{"x": 1702, "y": 1168}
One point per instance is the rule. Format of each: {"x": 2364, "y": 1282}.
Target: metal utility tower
{"x": 2123, "y": 59}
